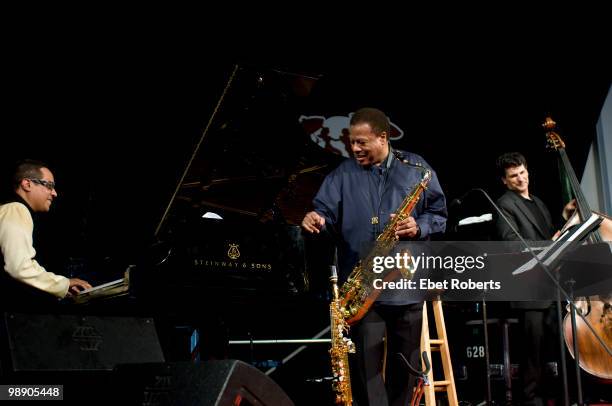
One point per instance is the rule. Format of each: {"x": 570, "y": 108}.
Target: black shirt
{"x": 537, "y": 213}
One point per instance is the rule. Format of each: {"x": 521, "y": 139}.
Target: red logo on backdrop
{"x": 332, "y": 133}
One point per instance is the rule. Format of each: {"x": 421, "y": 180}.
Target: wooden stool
{"x": 438, "y": 344}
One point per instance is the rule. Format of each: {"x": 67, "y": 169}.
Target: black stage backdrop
{"x": 117, "y": 122}
{"x": 119, "y": 125}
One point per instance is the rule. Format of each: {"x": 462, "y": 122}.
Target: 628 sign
{"x": 475, "y": 351}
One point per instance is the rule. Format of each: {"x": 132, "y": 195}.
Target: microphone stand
{"x": 562, "y": 348}
{"x": 568, "y": 297}
{"x": 485, "y": 324}
{"x": 485, "y": 320}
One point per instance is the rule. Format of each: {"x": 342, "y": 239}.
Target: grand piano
{"x": 231, "y": 228}
{"x": 228, "y": 257}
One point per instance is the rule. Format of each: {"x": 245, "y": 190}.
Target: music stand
{"x": 550, "y": 259}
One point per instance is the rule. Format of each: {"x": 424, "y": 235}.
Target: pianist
{"x": 25, "y": 282}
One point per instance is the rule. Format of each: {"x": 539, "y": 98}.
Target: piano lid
{"x": 255, "y": 167}
{"x": 254, "y": 159}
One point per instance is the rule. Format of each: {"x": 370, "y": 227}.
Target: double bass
{"x": 593, "y": 358}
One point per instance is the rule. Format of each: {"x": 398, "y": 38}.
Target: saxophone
{"x": 341, "y": 346}
{"x": 358, "y": 294}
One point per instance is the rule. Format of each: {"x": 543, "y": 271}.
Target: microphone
{"x": 459, "y": 200}
{"x": 455, "y": 202}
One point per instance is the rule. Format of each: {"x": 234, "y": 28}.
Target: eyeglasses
{"x": 46, "y": 183}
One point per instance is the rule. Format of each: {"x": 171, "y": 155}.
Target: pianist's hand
{"x": 77, "y": 285}
{"x": 313, "y": 222}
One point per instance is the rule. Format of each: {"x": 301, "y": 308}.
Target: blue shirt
{"x": 351, "y": 195}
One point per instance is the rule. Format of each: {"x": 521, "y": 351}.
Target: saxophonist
{"x": 354, "y": 203}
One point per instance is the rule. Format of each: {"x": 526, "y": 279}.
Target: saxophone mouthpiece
{"x": 334, "y": 273}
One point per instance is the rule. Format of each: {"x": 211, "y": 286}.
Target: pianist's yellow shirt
{"x": 16, "y": 227}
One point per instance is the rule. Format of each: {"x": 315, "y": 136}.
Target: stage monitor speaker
{"x": 53, "y": 342}
{"x": 208, "y": 383}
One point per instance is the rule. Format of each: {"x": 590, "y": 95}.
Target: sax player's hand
{"x": 407, "y": 229}
{"x": 313, "y": 222}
